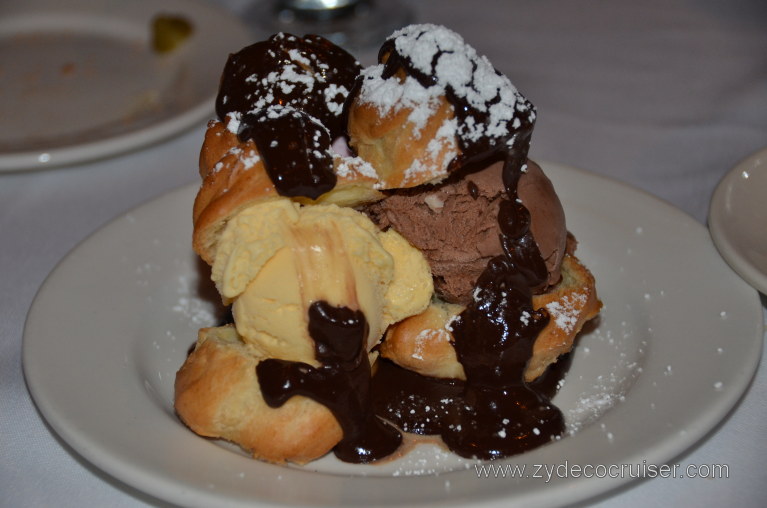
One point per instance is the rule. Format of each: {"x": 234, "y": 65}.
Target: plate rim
{"x": 175, "y": 124}
{"x": 580, "y": 490}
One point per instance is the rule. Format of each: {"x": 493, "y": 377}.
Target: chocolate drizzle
{"x": 298, "y": 164}
{"x": 473, "y": 190}
{"x": 288, "y": 93}
{"x": 427, "y": 405}
{"x": 496, "y": 413}
{"x": 341, "y": 383}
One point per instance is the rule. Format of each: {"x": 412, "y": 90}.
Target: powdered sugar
{"x": 332, "y": 95}
{"x": 249, "y": 158}
{"x": 298, "y": 57}
{"x": 194, "y": 309}
{"x": 233, "y": 122}
{"x": 606, "y": 383}
{"x": 428, "y": 336}
{"x": 441, "y": 67}
{"x": 440, "y": 151}
{"x": 348, "y": 168}
{"x": 456, "y": 66}
{"x": 299, "y": 74}
{"x": 565, "y": 311}
{"x": 389, "y": 96}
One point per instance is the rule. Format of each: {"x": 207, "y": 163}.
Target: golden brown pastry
{"x": 404, "y": 153}
{"x": 234, "y": 177}
{"x": 423, "y": 343}
{"x": 217, "y": 395}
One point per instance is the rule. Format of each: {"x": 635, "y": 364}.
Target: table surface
{"x": 666, "y": 95}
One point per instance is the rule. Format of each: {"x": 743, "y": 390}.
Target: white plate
{"x": 672, "y": 353}
{"x": 80, "y": 81}
{"x": 737, "y": 219}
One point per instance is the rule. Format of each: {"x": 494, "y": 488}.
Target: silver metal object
{"x": 356, "y": 25}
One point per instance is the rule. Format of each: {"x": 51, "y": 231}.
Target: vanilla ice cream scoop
{"x": 276, "y": 258}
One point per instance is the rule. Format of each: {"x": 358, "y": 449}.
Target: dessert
{"x": 393, "y": 260}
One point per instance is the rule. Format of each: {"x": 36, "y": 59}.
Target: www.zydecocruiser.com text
{"x": 548, "y": 472}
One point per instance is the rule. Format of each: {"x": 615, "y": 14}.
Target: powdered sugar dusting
{"x": 602, "y": 388}
{"x": 199, "y": 312}
{"x": 565, "y": 311}
{"x": 332, "y": 93}
{"x": 389, "y": 96}
{"x": 250, "y": 159}
{"x": 444, "y": 143}
{"x": 349, "y": 168}
{"x": 457, "y": 67}
{"x": 233, "y": 122}
{"x": 428, "y": 336}
{"x": 442, "y": 67}
{"x": 298, "y": 71}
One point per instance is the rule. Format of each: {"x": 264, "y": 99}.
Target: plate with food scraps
{"x": 738, "y": 219}
{"x": 83, "y": 80}
{"x": 116, "y": 318}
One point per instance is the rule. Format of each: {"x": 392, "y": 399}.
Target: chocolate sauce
{"x": 341, "y": 383}
{"x": 425, "y": 405}
{"x": 288, "y": 94}
{"x": 414, "y": 403}
{"x": 298, "y": 163}
{"x": 496, "y": 413}
{"x": 473, "y": 190}
{"x": 548, "y": 383}
{"x": 500, "y": 414}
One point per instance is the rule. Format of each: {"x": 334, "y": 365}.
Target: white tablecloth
{"x": 666, "y": 95}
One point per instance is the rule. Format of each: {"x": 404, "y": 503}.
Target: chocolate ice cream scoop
{"x": 455, "y": 225}
{"x": 547, "y": 218}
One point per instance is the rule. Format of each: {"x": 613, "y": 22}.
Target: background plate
{"x": 113, "y": 323}
{"x": 80, "y": 79}
{"x": 738, "y": 219}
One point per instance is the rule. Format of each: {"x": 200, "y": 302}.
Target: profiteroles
{"x": 383, "y": 240}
